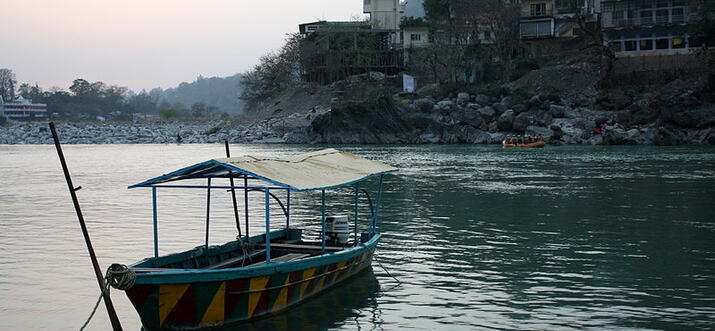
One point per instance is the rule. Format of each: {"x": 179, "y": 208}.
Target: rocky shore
{"x": 144, "y": 133}
{"x": 564, "y": 111}
{"x": 674, "y": 114}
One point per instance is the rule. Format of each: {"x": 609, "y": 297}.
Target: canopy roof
{"x": 319, "y": 170}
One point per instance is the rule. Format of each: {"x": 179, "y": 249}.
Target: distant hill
{"x": 220, "y": 92}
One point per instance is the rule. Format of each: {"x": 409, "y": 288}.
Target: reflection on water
{"x": 480, "y": 237}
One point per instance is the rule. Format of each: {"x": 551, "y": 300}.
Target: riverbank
{"x": 562, "y": 104}
{"x": 128, "y": 133}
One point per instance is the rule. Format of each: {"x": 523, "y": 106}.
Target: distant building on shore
{"x": 22, "y": 109}
{"x": 649, "y": 27}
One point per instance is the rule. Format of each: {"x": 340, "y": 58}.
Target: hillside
{"x": 220, "y": 92}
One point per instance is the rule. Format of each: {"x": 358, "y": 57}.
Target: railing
{"x": 609, "y": 22}
{"x": 538, "y": 34}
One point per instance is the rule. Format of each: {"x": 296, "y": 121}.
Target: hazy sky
{"x": 148, "y": 43}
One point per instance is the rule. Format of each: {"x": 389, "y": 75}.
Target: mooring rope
{"x": 388, "y": 273}
{"x": 125, "y": 282}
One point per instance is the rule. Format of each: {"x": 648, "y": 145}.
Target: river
{"x": 568, "y": 237}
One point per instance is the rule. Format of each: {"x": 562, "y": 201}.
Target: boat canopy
{"x": 319, "y": 170}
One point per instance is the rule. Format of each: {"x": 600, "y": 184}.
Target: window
{"x": 565, "y": 6}
{"x": 538, "y": 9}
{"x": 646, "y": 17}
{"x": 630, "y": 45}
{"x": 663, "y": 3}
{"x": 661, "y": 16}
{"x": 679, "y": 42}
{"x": 646, "y": 44}
{"x": 645, "y": 4}
{"x": 487, "y": 35}
{"x": 678, "y": 15}
{"x": 662, "y": 43}
{"x": 416, "y": 37}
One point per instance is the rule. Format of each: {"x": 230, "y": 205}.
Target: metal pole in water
{"x": 156, "y": 222}
{"x": 245, "y": 205}
{"x": 377, "y": 208}
{"x": 268, "y": 226}
{"x": 322, "y": 211}
{"x": 208, "y": 209}
{"x": 233, "y": 195}
{"x": 357, "y": 192}
{"x": 287, "y": 210}
{"x": 116, "y": 325}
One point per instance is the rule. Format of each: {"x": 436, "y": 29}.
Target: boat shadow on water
{"x": 349, "y": 300}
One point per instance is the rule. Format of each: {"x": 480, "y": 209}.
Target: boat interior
{"x": 286, "y": 245}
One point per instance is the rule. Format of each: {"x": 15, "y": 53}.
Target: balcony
{"x": 616, "y": 19}
{"x": 536, "y": 29}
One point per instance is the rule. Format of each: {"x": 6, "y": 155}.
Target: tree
{"x": 455, "y": 27}
{"x": 28, "y": 91}
{"x": 80, "y": 87}
{"x": 274, "y": 72}
{"x": 7, "y": 84}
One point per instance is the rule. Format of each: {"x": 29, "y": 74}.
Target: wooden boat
{"x": 255, "y": 276}
{"x": 536, "y": 144}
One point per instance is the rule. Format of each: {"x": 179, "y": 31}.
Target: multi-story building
{"x": 22, "y": 109}
{"x": 385, "y": 15}
{"x": 648, "y": 27}
{"x": 334, "y": 50}
{"x": 556, "y": 18}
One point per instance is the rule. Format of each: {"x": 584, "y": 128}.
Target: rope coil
{"x": 126, "y": 278}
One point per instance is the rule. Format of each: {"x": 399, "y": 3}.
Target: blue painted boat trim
{"x": 193, "y": 276}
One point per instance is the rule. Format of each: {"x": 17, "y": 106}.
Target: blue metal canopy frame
{"x": 374, "y": 210}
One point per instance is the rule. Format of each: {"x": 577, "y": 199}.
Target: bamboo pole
{"x": 116, "y": 325}
{"x": 233, "y": 195}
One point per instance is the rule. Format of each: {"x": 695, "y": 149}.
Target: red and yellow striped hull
{"x": 206, "y": 304}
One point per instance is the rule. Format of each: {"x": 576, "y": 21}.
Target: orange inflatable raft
{"x": 536, "y": 144}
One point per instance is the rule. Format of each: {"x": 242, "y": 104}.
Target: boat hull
{"x": 217, "y": 298}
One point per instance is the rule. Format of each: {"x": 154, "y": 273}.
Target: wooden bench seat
{"x": 306, "y": 247}
{"x": 284, "y": 258}
{"x": 234, "y": 260}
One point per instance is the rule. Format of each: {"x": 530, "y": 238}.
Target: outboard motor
{"x": 337, "y": 228}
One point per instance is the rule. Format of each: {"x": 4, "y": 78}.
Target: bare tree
{"x": 7, "y": 84}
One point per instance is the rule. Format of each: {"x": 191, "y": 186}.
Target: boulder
{"x": 444, "y": 105}
{"x": 539, "y": 131}
{"x": 519, "y": 108}
{"x": 505, "y": 120}
{"x": 557, "y": 111}
{"x": 556, "y": 132}
{"x": 615, "y": 136}
{"x": 423, "y": 104}
{"x": 499, "y": 107}
{"x": 523, "y": 120}
{"x": 694, "y": 118}
{"x": 663, "y": 136}
{"x": 463, "y": 98}
{"x": 376, "y": 76}
{"x": 535, "y": 101}
{"x": 487, "y": 113}
{"x": 596, "y": 140}
{"x": 471, "y": 117}
{"x": 482, "y": 99}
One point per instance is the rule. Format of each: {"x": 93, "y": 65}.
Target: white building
{"x": 22, "y": 109}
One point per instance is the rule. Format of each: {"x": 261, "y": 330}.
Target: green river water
{"x": 562, "y": 238}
